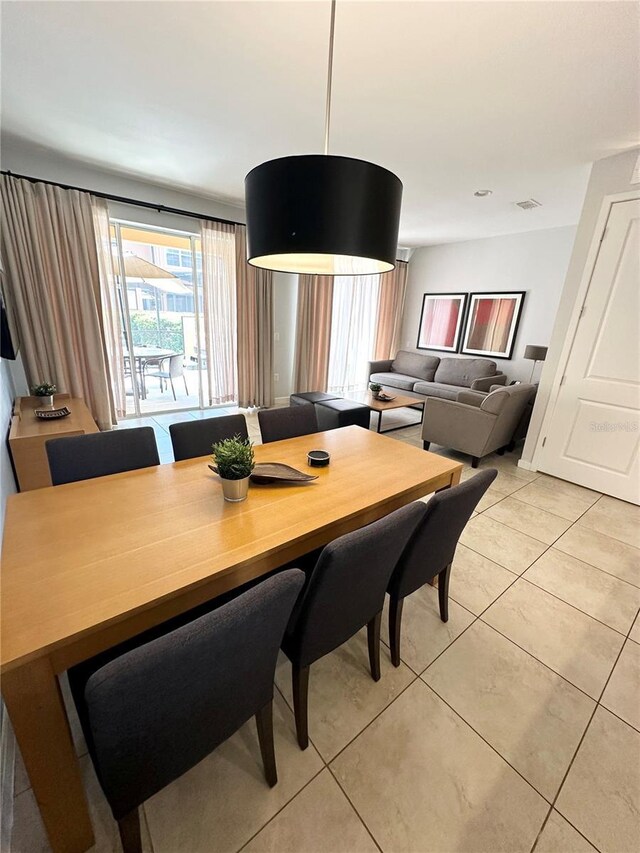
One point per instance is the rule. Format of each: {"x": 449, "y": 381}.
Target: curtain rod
{"x": 161, "y": 208}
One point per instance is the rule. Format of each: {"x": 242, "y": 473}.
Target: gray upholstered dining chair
{"x": 345, "y": 591}
{"x": 431, "y": 549}
{"x": 194, "y": 437}
{"x": 83, "y": 457}
{"x": 169, "y": 368}
{"x": 276, "y": 424}
{"x": 153, "y": 712}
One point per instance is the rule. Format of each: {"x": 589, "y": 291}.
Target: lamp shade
{"x": 323, "y": 215}
{"x": 535, "y": 353}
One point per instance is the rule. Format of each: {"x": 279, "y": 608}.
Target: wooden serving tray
{"x": 50, "y": 414}
{"x": 276, "y": 472}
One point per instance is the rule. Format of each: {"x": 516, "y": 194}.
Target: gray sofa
{"x": 416, "y": 375}
{"x": 476, "y": 424}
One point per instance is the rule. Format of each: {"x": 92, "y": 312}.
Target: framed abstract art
{"x": 441, "y": 321}
{"x": 492, "y": 324}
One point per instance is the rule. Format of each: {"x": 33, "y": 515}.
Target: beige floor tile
{"x": 422, "y": 780}
{"x": 225, "y": 800}
{"x": 504, "y": 545}
{"x": 563, "y": 487}
{"x": 506, "y": 483}
{"x": 601, "y": 795}
{"x": 614, "y": 518}
{"x": 424, "y": 634}
{"x": 28, "y": 835}
{"x": 558, "y": 836}
{"x": 508, "y": 464}
{"x": 476, "y": 581}
{"x": 530, "y": 715}
{"x": 546, "y": 496}
{"x": 530, "y": 520}
{"x": 591, "y": 590}
{"x": 634, "y": 634}
{"x": 318, "y": 819}
{"x": 622, "y": 693}
{"x": 573, "y": 644}
{"x": 489, "y": 498}
{"x": 603, "y": 552}
{"x": 343, "y": 698}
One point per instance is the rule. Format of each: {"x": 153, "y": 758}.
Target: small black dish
{"x": 318, "y": 458}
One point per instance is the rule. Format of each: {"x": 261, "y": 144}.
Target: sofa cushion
{"x": 394, "y": 380}
{"x": 463, "y": 371}
{"x": 437, "y": 389}
{"x": 415, "y": 364}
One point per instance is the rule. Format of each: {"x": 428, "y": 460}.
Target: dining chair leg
{"x": 173, "y": 390}
{"x": 129, "y": 828}
{"x": 301, "y": 703}
{"x": 264, "y": 724}
{"x": 186, "y": 387}
{"x": 443, "y": 592}
{"x": 373, "y": 638}
{"x": 395, "y": 628}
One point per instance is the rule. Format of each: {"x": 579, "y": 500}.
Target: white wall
{"x": 38, "y": 162}
{"x": 535, "y": 262}
{"x": 608, "y": 176}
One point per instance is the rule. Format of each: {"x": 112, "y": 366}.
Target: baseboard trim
{"x": 528, "y": 466}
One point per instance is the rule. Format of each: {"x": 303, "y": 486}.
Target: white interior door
{"x": 592, "y": 437}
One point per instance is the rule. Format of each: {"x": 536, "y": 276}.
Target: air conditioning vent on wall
{"x": 528, "y": 204}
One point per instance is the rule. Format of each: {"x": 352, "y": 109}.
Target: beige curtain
{"x": 393, "y": 287}
{"x": 255, "y": 328}
{"x": 111, "y": 314}
{"x": 220, "y": 310}
{"x": 313, "y": 332}
{"x": 53, "y": 290}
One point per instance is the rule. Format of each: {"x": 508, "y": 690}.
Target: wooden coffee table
{"x": 398, "y": 402}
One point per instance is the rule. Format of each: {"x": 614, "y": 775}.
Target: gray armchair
{"x": 474, "y": 423}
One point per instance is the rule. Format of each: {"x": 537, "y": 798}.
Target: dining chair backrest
{"x": 176, "y": 365}
{"x": 347, "y": 586}
{"x": 157, "y": 710}
{"x": 83, "y": 457}
{"x": 432, "y": 547}
{"x": 194, "y": 438}
{"x": 288, "y": 422}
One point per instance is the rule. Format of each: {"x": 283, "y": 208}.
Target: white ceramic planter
{"x": 235, "y": 490}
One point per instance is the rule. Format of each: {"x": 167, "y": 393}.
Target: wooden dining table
{"x": 89, "y": 564}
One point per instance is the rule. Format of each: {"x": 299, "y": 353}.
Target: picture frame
{"x": 441, "y": 321}
{"x": 492, "y": 323}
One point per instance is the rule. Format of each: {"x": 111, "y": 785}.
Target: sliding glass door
{"x": 158, "y": 274}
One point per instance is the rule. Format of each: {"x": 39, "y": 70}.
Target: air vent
{"x": 528, "y": 204}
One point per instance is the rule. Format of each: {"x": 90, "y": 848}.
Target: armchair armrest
{"x": 470, "y": 398}
{"x": 486, "y": 382}
{"x": 458, "y": 425}
{"x": 382, "y": 366}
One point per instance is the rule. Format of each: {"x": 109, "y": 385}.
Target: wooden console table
{"x": 28, "y": 435}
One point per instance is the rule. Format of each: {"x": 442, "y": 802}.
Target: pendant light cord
{"x": 327, "y": 118}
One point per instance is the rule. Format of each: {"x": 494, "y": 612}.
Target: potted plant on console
{"x": 375, "y": 388}
{"x": 234, "y": 462}
{"x": 45, "y": 392}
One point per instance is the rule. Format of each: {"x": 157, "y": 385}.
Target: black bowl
{"x": 318, "y": 458}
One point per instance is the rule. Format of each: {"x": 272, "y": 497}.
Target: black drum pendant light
{"x": 321, "y": 214}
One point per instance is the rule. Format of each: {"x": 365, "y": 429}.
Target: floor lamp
{"x": 535, "y": 354}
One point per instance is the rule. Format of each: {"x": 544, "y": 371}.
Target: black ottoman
{"x": 305, "y": 398}
{"x": 332, "y": 414}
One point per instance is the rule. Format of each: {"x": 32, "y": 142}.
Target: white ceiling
{"x": 515, "y": 97}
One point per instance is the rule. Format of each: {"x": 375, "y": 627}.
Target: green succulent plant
{"x": 233, "y": 458}
{"x": 375, "y": 387}
{"x": 46, "y": 389}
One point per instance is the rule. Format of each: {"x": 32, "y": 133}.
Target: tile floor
{"x": 514, "y": 727}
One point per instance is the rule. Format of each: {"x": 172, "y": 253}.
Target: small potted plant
{"x": 233, "y": 458}
{"x": 45, "y": 391}
{"x": 375, "y": 388}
